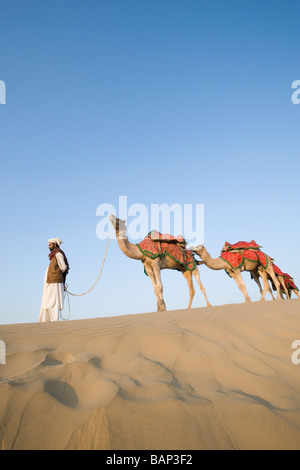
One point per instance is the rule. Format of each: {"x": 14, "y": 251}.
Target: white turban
{"x": 55, "y": 240}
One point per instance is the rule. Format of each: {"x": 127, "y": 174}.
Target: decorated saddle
{"x": 278, "y": 271}
{"x": 241, "y": 246}
{"x": 158, "y": 245}
{"x": 289, "y": 282}
{"x": 235, "y": 254}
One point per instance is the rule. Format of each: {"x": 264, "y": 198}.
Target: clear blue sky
{"x": 164, "y": 101}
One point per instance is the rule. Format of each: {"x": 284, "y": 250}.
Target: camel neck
{"x": 212, "y": 263}
{"x": 129, "y": 249}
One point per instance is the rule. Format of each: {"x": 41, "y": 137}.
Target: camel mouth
{"x": 118, "y": 224}
{"x": 113, "y": 220}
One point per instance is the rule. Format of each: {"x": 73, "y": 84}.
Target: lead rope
{"x": 67, "y": 293}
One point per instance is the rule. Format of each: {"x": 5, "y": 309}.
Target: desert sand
{"x": 205, "y": 378}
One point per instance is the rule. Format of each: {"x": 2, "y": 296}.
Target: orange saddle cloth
{"x": 157, "y": 244}
{"x": 236, "y": 259}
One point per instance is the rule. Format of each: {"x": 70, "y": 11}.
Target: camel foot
{"x": 209, "y": 304}
{"x": 161, "y": 306}
{"x": 262, "y": 299}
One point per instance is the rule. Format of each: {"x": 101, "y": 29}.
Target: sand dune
{"x": 217, "y": 378}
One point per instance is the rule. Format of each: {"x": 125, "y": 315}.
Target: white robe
{"x": 53, "y": 296}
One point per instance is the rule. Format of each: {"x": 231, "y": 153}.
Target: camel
{"x": 252, "y": 266}
{"x": 296, "y": 292}
{"x": 153, "y": 267}
{"x": 287, "y": 285}
{"x": 283, "y": 288}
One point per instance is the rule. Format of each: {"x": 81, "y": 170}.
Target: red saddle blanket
{"x": 241, "y": 246}
{"x": 236, "y": 259}
{"x": 289, "y": 282}
{"x": 156, "y": 244}
{"x": 278, "y": 271}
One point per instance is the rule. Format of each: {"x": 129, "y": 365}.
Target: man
{"x": 55, "y": 278}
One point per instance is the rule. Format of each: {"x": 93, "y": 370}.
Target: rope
{"x": 65, "y": 319}
{"x": 93, "y": 286}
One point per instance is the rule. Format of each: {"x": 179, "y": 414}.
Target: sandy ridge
{"x": 216, "y": 378}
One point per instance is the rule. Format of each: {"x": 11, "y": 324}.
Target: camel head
{"x": 198, "y": 250}
{"x": 118, "y": 224}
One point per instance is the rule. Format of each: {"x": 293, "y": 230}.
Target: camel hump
{"x": 241, "y": 246}
{"x": 156, "y": 236}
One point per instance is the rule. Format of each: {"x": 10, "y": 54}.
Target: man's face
{"x": 52, "y": 246}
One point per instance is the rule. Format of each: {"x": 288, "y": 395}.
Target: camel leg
{"x": 281, "y": 281}
{"x": 236, "y": 275}
{"x": 189, "y": 279}
{"x": 255, "y": 276}
{"x": 157, "y": 287}
{"x": 281, "y": 293}
{"x": 270, "y": 290}
{"x": 270, "y": 271}
{"x": 264, "y": 277}
{"x": 256, "y": 279}
{"x": 197, "y": 277}
{"x": 295, "y": 292}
